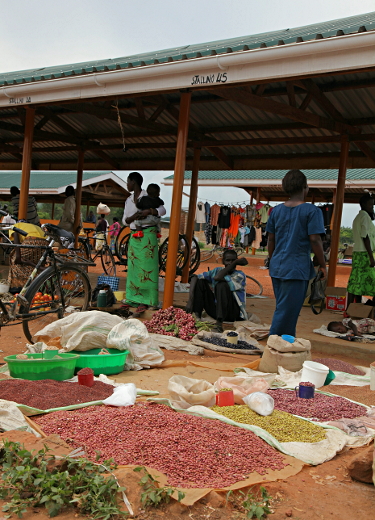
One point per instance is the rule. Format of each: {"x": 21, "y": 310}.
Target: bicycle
{"x": 105, "y": 253}
{"x": 46, "y": 296}
{"x": 219, "y": 250}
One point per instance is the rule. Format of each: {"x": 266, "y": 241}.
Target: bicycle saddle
{"x": 65, "y": 237}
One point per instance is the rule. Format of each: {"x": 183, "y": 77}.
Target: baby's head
{"x": 336, "y": 326}
{"x": 153, "y": 190}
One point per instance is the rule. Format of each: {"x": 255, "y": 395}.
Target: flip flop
{"x": 139, "y": 310}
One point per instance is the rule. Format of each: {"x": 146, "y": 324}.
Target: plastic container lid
{"x": 289, "y": 339}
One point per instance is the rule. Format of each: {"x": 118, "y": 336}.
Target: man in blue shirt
{"x": 220, "y": 292}
{"x": 294, "y": 232}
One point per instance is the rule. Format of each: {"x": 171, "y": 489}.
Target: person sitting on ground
{"x": 151, "y": 201}
{"x": 221, "y": 292}
{"x": 349, "y": 326}
{"x": 32, "y": 216}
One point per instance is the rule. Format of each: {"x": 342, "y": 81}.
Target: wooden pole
{"x": 26, "y": 163}
{"x": 258, "y": 196}
{"x": 189, "y": 233}
{"x": 77, "y": 215}
{"x": 337, "y": 211}
{"x": 334, "y": 205}
{"x": 178, "y": 184}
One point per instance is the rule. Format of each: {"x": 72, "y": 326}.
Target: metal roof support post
{"x": 337, "y": 212}
{"x": 77, "y": 215}
{"x": 189, "y": 232}
{"x": 26, "y": 162}
{"x": 178, "y": 184}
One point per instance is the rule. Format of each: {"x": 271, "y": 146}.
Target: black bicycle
{"x": 87, "y": 246}
{"x": 61, "y": 286}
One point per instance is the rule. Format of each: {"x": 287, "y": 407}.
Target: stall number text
{"x": 211, "y": 78}
{"x": 19, "y": 101}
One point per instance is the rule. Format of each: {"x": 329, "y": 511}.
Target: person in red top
{"x": 114, "y": 231}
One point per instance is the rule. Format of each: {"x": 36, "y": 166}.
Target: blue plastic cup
{"x": 305, "y": 392}
{"x": 289, "y": 339}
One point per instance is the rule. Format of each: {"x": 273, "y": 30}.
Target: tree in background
{"x": 346, "y": 236}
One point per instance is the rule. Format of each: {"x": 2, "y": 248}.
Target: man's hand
{"x": 323, "y": 269}
{"x": 372, "y": 262}
{"x": 241, "y": 261}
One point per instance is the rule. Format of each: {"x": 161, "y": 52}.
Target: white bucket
{"x": 314, "y": 373}
{"x": 372, "y": 376}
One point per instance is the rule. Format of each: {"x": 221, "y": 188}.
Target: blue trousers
{"x": 290, "y": 295}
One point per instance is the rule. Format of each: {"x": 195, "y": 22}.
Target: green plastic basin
{"x": 112, "y": 363}
{"x": 36, "y": 367}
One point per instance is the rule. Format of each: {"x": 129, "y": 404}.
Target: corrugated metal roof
{"x": 44, "y": 180}
{"x": 324, "y": 175}
{"x": 309, "y": 32}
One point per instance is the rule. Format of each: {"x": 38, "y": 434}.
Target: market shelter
{"x": 296, "y": 98}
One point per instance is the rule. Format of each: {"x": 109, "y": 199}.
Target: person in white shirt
{"x": 143, "y": 263}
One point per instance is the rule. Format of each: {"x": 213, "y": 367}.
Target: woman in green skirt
{"x": 362, "y": 278}
{"x": 143, "y": 263}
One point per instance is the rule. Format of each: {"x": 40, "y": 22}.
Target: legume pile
{"x": 340, "y": 366}
{"x": 191, "y": 451}
{"x": 283, "y": 426}
{"x": 46, "y": 394}
{"x": 362, "y": 394}
{"x": 222, "y": 342}
{"x": 321, "y": 407}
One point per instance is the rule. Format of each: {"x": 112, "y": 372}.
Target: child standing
{"x": 114, "y": 231}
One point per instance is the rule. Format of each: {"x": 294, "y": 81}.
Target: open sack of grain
{"x": 281, "y": 353}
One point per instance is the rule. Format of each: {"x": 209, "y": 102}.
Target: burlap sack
{"x": 279, "y": 344}
{"x": 292, "y": 361}
{"x": 186, "y": 392}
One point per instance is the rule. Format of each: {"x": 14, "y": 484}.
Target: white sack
{"x": 11, "y": 418}
{"x": 81, "y": 331}
{"x": 186, "y": 392}
{"x": 123, "y": 395}
{"x": 133, "y": 335}
{"x": 172, "y": 343}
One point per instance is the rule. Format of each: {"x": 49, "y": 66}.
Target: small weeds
{"x": 153, "y": 495}
{"x": 32, "y": 480}
{"x": 254, "y": 506}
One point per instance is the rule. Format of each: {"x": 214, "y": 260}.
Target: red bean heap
{"x": 191, "y": 451}
{"x": 172, "y": 322}
{"x": 321, "y": 408}
{"x": 85, "y": 371}
{"x": 307, "y": 383}
{"x": 340, "y": 366}
{"x": 46, "y": 394}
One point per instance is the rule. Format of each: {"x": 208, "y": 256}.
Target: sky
{"x": 41, "y": 33}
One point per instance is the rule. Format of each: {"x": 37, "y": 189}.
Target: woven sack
{"x": 278, "y": 343}
{"x": 292, "y": 361}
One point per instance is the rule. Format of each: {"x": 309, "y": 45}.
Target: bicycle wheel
{"x": 108, "y": 262}
{"x": 253, "y": 287}
{"x": 239, "y": 250}
{"x": 182, "y": 255}
{"x": 195, "y": 256}
{"x": 120, "y": 239}
{"x": 51, "y": 293}
{"x": 206, "y": 255}
{"x": 122, "y": 249}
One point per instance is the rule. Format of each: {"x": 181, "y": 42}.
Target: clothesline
{"x": 226, "y": 203}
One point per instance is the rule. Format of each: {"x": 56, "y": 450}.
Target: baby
{"x": 150, "y": 201}
{"x": 349, "y": 326}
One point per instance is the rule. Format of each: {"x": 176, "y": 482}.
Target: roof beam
{"x": 291, "y": 94}
{"x": 227, "y": 161}
{"x": 275, "y": 107}
{"x": 140, "y": 108}
{"x": 106, "y": 158}
{"x": 163, "y": 105}
{"x": 323, "y": 101}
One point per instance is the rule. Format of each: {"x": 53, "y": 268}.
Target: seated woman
{"x": 22, "y": 261}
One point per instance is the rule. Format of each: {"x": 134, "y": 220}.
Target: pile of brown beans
{"x": 193, "y": 452}
{"x": 340, "y": 366}
{"x": 361, "y": 394}
{"x": 321, "y": 407}
{"x": 47, "y": 393}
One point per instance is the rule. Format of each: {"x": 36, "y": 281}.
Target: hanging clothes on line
{"x": 215, "y": 211}
{"x": 224, "y": 217}
{"x": 200, "y": 214}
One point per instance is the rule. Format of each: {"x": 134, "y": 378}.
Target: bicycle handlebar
{"x": 20, "y": 231}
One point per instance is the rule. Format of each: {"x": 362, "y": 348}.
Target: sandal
{"x": 139, "y": 310}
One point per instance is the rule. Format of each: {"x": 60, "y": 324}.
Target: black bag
{"x": 111, "y": 299}
{"x": 317, "y": 296}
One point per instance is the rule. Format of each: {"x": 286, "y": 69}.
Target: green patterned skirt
{"x": 143, "y": 269}
{"x": 362, "y": 278}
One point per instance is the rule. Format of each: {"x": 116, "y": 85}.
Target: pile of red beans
{"x": 193, "y": 452}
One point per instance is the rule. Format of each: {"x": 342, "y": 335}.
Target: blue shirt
{"x": 291, "y": 259}
{"x": 237, "y": 284}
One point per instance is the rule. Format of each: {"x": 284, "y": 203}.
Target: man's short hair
{"x": 69, "y": 190}
{"x": 136, "y": 177}
{"x": 230, "y": 252}
{"x": 294, "y": 182}
{"x": 365, "y": 198}
{"x": 14, "y": 191}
